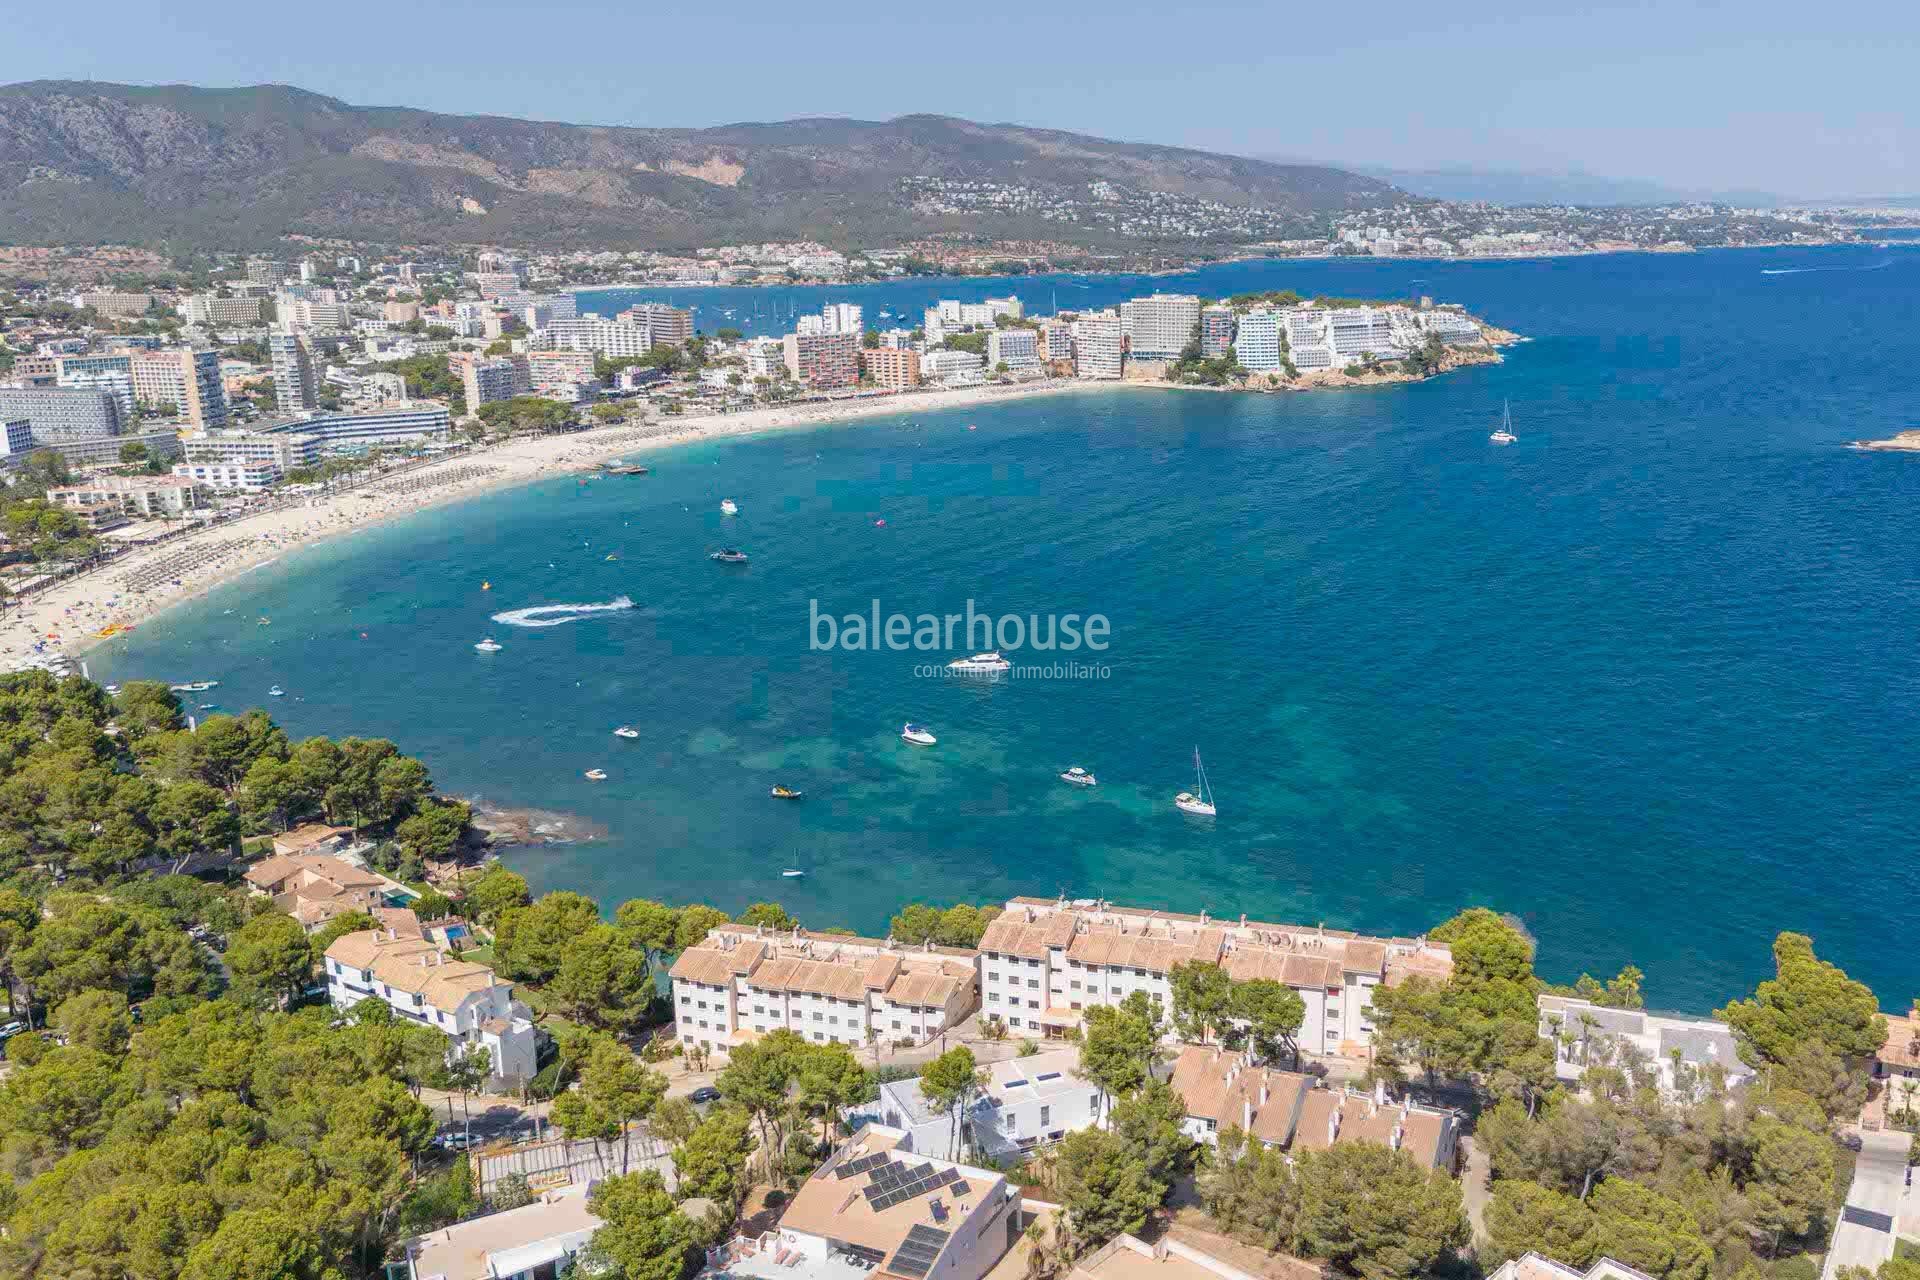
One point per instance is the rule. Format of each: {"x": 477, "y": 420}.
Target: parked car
{"x": 705, "y": 1093}
{"x": 455, "y": 1141}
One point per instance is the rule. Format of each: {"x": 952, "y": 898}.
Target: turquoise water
{"x": 1646, "y": 678}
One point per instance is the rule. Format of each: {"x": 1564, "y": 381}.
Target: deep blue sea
{"x": 1647, "y": 678}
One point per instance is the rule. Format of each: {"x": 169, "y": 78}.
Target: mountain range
{"x": 84, "y": 162}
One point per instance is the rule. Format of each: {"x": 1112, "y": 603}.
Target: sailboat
{"x": 1505, "y": 434}
{"x": 1199, "y": 801}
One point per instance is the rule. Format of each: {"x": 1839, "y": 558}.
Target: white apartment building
{"x": 742, "y": 982}
{"x": 1158, "y": 327}
{"x": 841, "y": 317}
{"x": 1257, "y": 342}
{"x": 295, "y": 388}
{"x": 244, "y": 461}
{"x": 209, "y": 309}
{"x": 933, "y": 326}
{"x": 952, "y": 367}
{"x": 1099, "y": 349}
{"x": 810, "y": 326}
{"x": 466, "y": 1001}
{"x": 115, "y": 382}
{"x": 1018, "y": 349}
{"x": 876, "y": 1207}
{"x": 1356, "y": 332}
{"x": 766, "y": 358}
{"x": 306, "y": 313}
{"x": 1043, "y": 962}
{"x": 151, "y": 496}
{"x": 1308, "y": 342}
{"x": 1027, "y": 1103}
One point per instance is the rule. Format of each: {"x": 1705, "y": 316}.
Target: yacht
{"x": 792, "y": 873}
{"x": 1199, "y": 801}
{"x": 917, "y": 735}
{"x": 1505, "y": 434}
{"x": 1079, "y": 777}
{"x": 489, "y": 646}
{"x": 276, "y": 692}
{"x": 626, "y": 731}
{"x": 727, "y": 555}
{"x": 196, "y": 686}
{"x": 980, "y": 664}
{"x": 728, "y": 507}
{"x": 786, "y": 793}
{"x": 598, "y": 775}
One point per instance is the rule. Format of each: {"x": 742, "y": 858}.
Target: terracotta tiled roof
{"x": 1014, "y": 935}
{"x": 1295, "y": 968}
{"x": 1432, "y": 962}
{"x": 1222, "y": 1087}
{"x": 1131, "y": 950}
{"x": 834, "y": 1207}
{"x": 412, "y": 965}
{"x": 716, "y": 966}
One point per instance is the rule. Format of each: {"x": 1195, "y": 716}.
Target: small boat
{"x": 489, "y": 646}
{"x": 1505, "y": 434}
{"x": 625, "y": 731}
{"x": 792, "y": 873}
{"x": 598, "y": 775}
{"x": 613, "y": 557}
{"x": 209, "y": 706}
{"x": 486, "y": 586}
{"x": 112, "y": 690}
{"x": 1199, "y": 801}
{"x": 276, "y": 692}
{"x": 1079, "y": 777}
{"x": 727, "y": 555}
{"x": 728, "y": 507}
{"x": 981, "y": 664}
{"x": 917, "y": 735}
{"x": 786, "y": 793}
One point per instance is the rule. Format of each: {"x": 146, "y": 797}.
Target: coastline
{"x": 1903, "y": 442}
{"x": 67, "y": 617}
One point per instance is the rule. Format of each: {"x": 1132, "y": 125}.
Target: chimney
{"x": 1265, "y": 1093}
{"x": 1333, "y": 1124}
{"x": 1399, "y": 1132}
{"x": 1379, "y": 1093}
{"x": 1243, "y": 919}
{"x": 1246, "y": 1114}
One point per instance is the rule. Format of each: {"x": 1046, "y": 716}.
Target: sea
{"x": 1646, "y": 679}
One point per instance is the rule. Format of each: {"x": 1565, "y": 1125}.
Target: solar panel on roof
{"x": 920, "y": 1171}
{"x": 961, "y": 1188}
{"x": 1048, "y": 1075}
{"x": 872, "y": 1193}
{"x": 948, "y": 1177}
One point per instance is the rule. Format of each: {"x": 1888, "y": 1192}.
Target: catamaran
{"x": 1199, "y": 801}
{"x": 1505, "y": 434}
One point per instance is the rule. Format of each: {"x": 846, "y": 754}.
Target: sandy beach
{"x": 68, "y": 617}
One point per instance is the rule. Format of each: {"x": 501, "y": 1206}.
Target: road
{"x": 1867, "y": 1228}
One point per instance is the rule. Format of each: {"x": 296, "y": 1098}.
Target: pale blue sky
{"x": 1772, "y": 95}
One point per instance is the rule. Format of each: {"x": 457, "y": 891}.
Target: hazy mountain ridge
{"x": 99, "y": 162}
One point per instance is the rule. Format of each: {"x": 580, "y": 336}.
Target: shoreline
{"x": 66, "y": 618}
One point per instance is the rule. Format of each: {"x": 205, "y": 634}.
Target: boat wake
{"x": 556, "y": 615}
{"x": 1800, "y": 271}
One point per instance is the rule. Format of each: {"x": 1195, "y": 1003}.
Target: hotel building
{"x": 295, "y": 388}
{"x": 895, "y": 368}
{"x": 741, "y": 982}
{"x": 410, "y": 422}
{"x": 104, "y": 451}
{"x": 147, "y": 496}
{"x": 245, "y": 460}
{"x": 669, "y": 326}
{"x": 1018, "y": 349}
{"x": 490, "y": 378}
{"x": 63, "y": 413}
{"x": 210, "y": 310}
{"x": 1044, "y": 962}
{"x": 1159, "y": 327}
{"x": 1256, "y": 342}
{"x": 823, "y": 359}
{"x": 188, "y": 380}
{"x": 841, "y": 317}
{"x": 1099, "y": 347}
{"x": 1216, "y": 331}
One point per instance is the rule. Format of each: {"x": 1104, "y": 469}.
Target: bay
{"x": 1646, "y": 679}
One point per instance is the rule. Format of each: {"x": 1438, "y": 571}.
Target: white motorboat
{"x": 489, "y": 646}
{"x": 792, "y": 873}
{"x": 1505, "y": 434}
{"x": 1199, "y": 801}
{"x": 598, "y": 775}
{"x": 276, "y": 692}
{"x": 728, "y": 507}
{"x": 982, "y": 664}
{"x": 1079, "y": 777}
{"x": 112, "y": 690}
{"x": 626, "y": 731}
{"x": 917, "y": 735}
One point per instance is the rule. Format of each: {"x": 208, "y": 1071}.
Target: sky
{"x": 1766, "y": 95}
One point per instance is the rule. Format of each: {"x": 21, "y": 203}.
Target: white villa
{"x": 418, "y": 981}
{"x": 1029, "y": 1102}
{"x": 1585, "y": 1034}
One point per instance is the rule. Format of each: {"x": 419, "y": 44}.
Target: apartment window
{"x": 686, "y": 999}
{"x": 1046, "y": 1116}
{"x": 817, "y": 1015}
{"x": 1075, "y": 984}
{"x": 1076, "y": 1004}
{"x": 1114, "y": 991}
{"x": 993, "y": 997}
{"x": 1033, "y": 982}
{"x": 896, "y": 1024}
{"x": 703, "y": 1004}
{"x": 1033, "y": 1004}
{"x": 1093, "y": 1105}
{"x": 834, "y": 1021}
